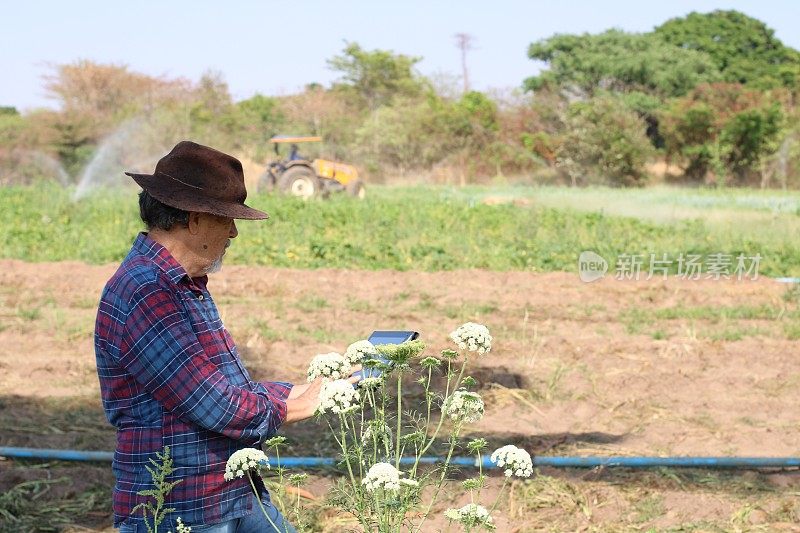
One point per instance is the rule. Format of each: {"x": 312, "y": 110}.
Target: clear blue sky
{"x": 276, "y": 47}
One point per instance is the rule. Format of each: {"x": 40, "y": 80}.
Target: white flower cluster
{"x": 243, "y": 461}
{"x": 385, "y": 476}
{"x": 338, "y": 397}
{"x": 328, "y": 365}
{"x": 370, "y": 383}
{"x": 464, "y": 406}
{"x": 181, "y": 527}
{"x": 471, "y": 515}
{"x": 357, "y": 351}
{"x": 514, "y": 461}
{"x": 472, "y": 337}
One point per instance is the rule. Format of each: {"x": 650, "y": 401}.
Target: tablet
{"x": 386, "y": 337}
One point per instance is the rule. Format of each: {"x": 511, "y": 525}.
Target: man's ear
{"x": 194, "y": 223}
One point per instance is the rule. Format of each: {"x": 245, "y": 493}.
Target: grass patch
{"x": 265, "y": 331}
{"x": 470, "y": 310}
{"x": 29, "y": 314}
{"x": 548, "y": 493}
{"x": 792, "y": 331}
{"x": 359, "y": 306}
{"x": 648, "y": 508}
{"x": 23, "y": 507}
{"x": 734, "y": 333}
{"x": 310, "y": 303}
{"x": 717, "y": 314}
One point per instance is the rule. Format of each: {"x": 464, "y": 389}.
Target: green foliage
{"x": 618, "y": 61}
{"x": 723, "y": 128}
{"x": 388, "y": 120}
{"x": 378, "y": 75}
{"x": 12, "y": 126}
{"x": 749, "y": 136}
{"x": 401, "y": 354}
{"x": 423, "y": 228}
{"x": 604, "y": 141}
{"x": 418, "y": 132}
{"x": 479, "y": 108}
{"x": 744, "y": 49}
{"x": 159, "y": 472}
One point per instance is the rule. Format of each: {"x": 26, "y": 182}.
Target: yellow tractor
{"x": 308, "y": 178}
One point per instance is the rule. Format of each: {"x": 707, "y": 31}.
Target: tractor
{"x": 308, "y": 178}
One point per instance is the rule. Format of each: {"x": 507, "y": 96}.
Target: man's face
{"x": 213, "y": 237}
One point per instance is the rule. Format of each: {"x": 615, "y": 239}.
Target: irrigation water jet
{"x": 134, "y": 145}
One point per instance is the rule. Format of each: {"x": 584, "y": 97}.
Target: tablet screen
{"x": 391, "y": 337}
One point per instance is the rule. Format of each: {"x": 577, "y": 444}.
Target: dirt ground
{"x": 660, "y": 367}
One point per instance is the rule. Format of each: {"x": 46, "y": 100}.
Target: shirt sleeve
{"x": 278, "y": 389}
{"x": 163, "y": 354}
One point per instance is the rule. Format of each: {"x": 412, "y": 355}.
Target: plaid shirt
{"x": 170, "y": 375}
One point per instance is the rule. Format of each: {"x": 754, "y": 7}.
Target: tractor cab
{"x": 292, "y": 173}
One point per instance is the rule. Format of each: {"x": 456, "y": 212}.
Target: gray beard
{"x": 215, "y": 267}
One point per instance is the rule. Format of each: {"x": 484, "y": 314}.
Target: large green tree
{"x": 620, "y": 62}
{"x": 744, "y": 49}
{"x": 376, "y": 75}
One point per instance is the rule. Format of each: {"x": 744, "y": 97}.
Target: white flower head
{"x": 370, "y": 383}
{"x": 338, "y": 397}
{"x": 181, "y": 527}
{"x": 464, "y": 406}
{"x": 472, "y": 337}
{"x": 471, "y": 516}
{"x": 385, "y": 476}
{"x": 357, "y": 351}
{"x": 243, "y": 461}
{"x": 514, "y": 461}
{"x": 328, "y": 365}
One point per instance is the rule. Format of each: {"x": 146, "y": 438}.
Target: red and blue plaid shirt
{"x": 170, "y": 375}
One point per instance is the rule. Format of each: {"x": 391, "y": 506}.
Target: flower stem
{"x": 399, "y": 418}
{"x": 497, "y": 500}
{"x": 453, "y": 441}
{"x": 342, "y": 427}
{"x": 442, "y": 417}
{"x": 261, "y": 504}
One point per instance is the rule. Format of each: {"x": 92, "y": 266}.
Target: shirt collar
{"x": 160, "y": 256}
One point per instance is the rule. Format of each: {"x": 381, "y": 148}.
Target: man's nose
{"x": 234, "y": 232}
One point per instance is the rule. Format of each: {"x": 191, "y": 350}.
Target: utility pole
{"x": 464, "y": 42}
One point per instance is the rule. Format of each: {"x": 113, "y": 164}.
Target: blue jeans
{"x": 255, "y": 522}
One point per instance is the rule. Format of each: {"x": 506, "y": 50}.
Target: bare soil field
{"x": 659, "y": 367}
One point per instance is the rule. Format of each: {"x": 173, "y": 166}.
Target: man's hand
{"x": 303, "y": 400}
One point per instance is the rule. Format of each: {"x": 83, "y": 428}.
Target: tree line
{"x": 712, "y": 97}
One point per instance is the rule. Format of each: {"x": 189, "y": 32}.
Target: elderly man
{"x": 170, "y": 374}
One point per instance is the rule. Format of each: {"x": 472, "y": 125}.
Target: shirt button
{"x": 201, "y": 297}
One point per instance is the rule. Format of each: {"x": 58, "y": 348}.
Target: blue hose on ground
{"x": 556, "y": 462}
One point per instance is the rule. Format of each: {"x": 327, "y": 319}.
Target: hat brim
{"x": 182, "y": 196}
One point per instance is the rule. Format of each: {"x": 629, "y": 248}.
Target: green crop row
{"x": 404, "y": 228}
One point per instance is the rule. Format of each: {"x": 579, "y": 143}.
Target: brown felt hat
{"x": 197, "y": 178}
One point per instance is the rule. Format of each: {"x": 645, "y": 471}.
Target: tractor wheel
{"x": 266, "y": 182}
{"x": 356, "y": 189}
{"x": 300, "y": 181}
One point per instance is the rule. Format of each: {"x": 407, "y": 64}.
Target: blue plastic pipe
{"x": 556, "y": 462}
